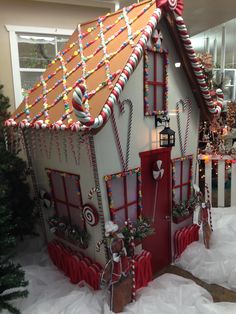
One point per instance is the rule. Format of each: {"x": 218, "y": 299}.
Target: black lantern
{"x": 166, "y": 136}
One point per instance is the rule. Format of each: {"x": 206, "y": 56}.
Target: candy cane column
{"x": 83, "y": 115}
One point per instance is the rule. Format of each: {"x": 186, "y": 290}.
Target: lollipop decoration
{"x": 46, "y": 198}
{"x": 157, "y": 173}
{"x": 90, "y": 215}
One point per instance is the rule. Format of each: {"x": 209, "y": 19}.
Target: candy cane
{"x": 128, "y": 101}
{"x": 131, "y": 229}
{"x": 92, "y": 191}
{"x": 209, "y": 203}
{"x": 186, "y": 104}
{"x": 118, "y": 143}
{"x": 84, "y": 116}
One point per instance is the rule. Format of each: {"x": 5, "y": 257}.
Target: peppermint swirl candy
{"x": 172, "y": 4}
{"x": 90, "y": 215}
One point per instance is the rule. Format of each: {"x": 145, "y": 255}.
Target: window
{"x": 124, "y": 195}
{"x": 32, "y": 49}
{"x": 182, "y": 179}
{"x": 155, "y": 81}
{"x": 67, "y": 197}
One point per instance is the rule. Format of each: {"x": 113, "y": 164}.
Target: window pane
{"x": 35, "y": 51}
{"x": 151, "y": 97}
{"x": 62, "y": 211}
{"x": 150, "y": 66}
{"x": 119, "y": 217}
{"x": 58, "y": 186}
{"x": 76, "y": 217}
{"x": 159, "y": 96}
{"x": 186, "y": 165}
{"x": 177, "y": 172}
{"x": 117, "y": 187}
{"x": 131, "y": 188}
{"x": 176, "y": 198}
{"x": 72, "y": 190}
{"x": 159, "y": 67}
{"x": 185, "y": 192}
{"x": 132, "y": 212}
{"x": 28, "y": 79}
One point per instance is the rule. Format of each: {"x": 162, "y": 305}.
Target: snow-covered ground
{"x": 218, "y": 264}
{"x": 52, "y": 293}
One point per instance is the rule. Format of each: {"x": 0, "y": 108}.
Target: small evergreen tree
{"x": 16, "y": 216}
{"x": 13, "y": 174}
{"x": 11, "y": 275}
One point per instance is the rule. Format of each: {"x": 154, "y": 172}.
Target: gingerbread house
{"x": 91, "y": 127}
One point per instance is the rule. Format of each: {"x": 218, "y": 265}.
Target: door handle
{"x": 168, "y": 218}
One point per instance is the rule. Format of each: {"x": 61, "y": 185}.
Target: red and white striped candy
{"x": 213, "y": 107}
{"x": 38, "y": 124}
{"x": 10, "y": 122}
{"x": 24, "y": 124}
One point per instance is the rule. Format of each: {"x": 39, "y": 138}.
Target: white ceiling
{"x": 199, "y": 15}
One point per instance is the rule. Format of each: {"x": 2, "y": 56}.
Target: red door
{"x": 158, "y": 244}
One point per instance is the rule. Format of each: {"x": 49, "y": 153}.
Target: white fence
{"x": 221, "y": 162}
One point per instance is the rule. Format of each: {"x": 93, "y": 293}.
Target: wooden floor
{"x": 218, "y": 293}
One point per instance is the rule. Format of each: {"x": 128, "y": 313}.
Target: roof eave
{"x": 187, "y": 67}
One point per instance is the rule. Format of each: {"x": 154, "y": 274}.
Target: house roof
{"x": 81, "y": 85}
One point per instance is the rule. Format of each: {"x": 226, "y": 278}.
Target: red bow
{"x": 176, "y": 5}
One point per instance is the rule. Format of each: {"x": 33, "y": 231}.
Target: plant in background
{"x": 184, "y": 208}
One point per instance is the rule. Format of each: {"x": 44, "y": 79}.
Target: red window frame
{"x": 66, "y": 202}
{"x": 182, "y": 184}
{"x": 155, "y": 53}
{"x": 126, "y": 205}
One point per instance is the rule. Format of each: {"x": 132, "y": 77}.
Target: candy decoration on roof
{"x": 85, "y": 116}
{"x": 45, "y": 100}
{"x": 128, "y": 25}
{"x": 77, "y": 99}
{"x": 175, "y": 5}
{"x": 213, "y": 107}
{"x": 83, "y": 60}
{"x": 106, "y": 56}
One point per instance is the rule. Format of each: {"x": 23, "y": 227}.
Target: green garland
{"x": 60, "y": 227}
{"x": 142, "y": 228}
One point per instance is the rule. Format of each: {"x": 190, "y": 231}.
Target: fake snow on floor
{"x": 50, "y": 292}
{"x": 218, "y": 264}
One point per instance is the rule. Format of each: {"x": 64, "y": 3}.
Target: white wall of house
{"x": 36, "y": 14}
{"x": 41, "y": 139}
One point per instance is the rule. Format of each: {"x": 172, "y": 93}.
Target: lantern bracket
{"x": 159, "y": 120}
